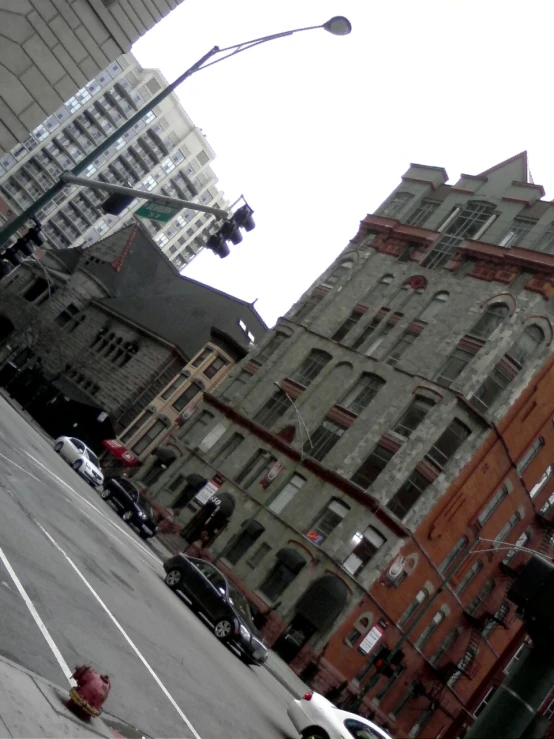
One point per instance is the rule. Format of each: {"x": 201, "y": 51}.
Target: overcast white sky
{"x": 316, "y": 130}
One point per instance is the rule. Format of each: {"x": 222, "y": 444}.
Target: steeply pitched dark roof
{"x": 145, "y": 288}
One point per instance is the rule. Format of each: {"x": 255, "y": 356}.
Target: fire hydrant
{"x": 90, "y": 694}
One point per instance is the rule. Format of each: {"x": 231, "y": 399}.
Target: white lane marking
{"x": 91, "y": 505}
{"x": 20, "y": 468}
{"x": 39, "y": 622}
{"x": 122, "y": 631}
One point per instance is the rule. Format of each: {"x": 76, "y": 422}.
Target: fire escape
{"x": 434, "y": 679}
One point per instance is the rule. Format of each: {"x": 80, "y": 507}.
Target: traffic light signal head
{"x": 217, "y": 244}
{"x": 116, "y": 203}
{"x": 243, "y": 218}
{"x": 5, "y": 268}
{"x": 13, "y": 256}
{"x": 231, "y": 231}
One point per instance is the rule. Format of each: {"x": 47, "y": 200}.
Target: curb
{"x": 283, "y": 682}
{"x": 106, "y": 724}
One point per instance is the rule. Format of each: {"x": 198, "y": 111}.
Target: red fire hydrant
{"x": 90, "y": 694}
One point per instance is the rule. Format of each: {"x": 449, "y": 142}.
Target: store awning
{"x": 226, "y": 504}
{"x": 165, "y": 454}
{"x": 196, "y": 481}
{"x": 254, "y": 528}
{"x": 291, "y": 559}
{"x": 323, "y": 601}
{"x": 119, "y": 450}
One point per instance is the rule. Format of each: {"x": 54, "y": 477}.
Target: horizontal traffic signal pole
{"x": 69, "y": 178}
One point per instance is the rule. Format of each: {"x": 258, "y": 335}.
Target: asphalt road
{"x": 99, "y": 598}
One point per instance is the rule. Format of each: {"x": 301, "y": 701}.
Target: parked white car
{"x": 83, "y": 460}
{"x": 314, "y": 717}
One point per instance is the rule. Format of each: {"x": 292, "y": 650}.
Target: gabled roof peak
{"x": 522, "y": 156}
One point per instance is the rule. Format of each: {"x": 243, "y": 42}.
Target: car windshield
{"x": 145, "y": 505}
{"x": 240, "y": 603}
{"x": 129, "y": 487}
{"x": 93, "y": 458}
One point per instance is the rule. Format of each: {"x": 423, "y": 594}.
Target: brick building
{"x": 355, "y": 438}
{"x": 110, "y": 326}
{"x": 52, "y": 48}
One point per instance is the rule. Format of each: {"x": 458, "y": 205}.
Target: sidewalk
{"x": 33, "y": 707}
{"x": 284, "y": 675}
{"x": 27, "y": 416}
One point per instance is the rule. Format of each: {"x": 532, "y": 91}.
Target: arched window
{"x": 432, "y": 308}
{"x": 327, "y": 521}
{"x": 288, "y": 565}
{"x": 379, "y": 290}
{"x": 250, "y": 533}
{"x": 421, "y": 596}
{"x": 360, "y": 396}
{"x": 339, "y": 272}
{"x": 401, "y": 298}
{"x": 468, "y": 578}
{"x": 430, "y": 629}
{"x": 527, "y": 344}
{"x": 523, "y": 541}
{"x": 360, "y": 627}
{"x": 366, "y": 545}
{"x": 311, "y": 367}
{"x": 493, "y": 316}
{"x": 395, "y": 204}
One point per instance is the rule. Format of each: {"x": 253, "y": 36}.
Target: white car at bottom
{"x": 83, "y": 460}
{"x": 314, "y": 717}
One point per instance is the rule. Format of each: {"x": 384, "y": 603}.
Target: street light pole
{"x": 67, "y": 177}
{"x": 338, "y": 26}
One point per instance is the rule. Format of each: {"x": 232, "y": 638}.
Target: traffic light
{"x": 231, "y": 231}
{"x": 22, "y": 248}
{"x": 116, "y": 203}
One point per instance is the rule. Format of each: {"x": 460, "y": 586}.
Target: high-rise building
{"x": 164, "y": 153}
{"x": 50, "y": 49}
{"x": 367, "y": 444}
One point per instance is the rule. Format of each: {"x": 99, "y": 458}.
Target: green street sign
{"x": 157, "y": 211}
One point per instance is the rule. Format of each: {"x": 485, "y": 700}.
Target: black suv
{"x": 208, "y": 591}
{"x": 131, "y": 505}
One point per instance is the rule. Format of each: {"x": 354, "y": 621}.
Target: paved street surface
{"x": 79, "y": 586}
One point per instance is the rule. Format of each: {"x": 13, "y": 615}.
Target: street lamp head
{"x": 338, "y": 26}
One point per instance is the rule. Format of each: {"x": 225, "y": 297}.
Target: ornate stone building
{"x": 344, "y": 438}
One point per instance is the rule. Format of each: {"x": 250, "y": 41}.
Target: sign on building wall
{"x": 370, "y": 639}
{"x": 209, "y": 490}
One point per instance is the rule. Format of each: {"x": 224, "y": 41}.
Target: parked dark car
{"x": 210, "y": 593}
{"x": 131, "y": 505}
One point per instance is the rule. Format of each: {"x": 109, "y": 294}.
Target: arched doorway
{"x": 315, "y": 611}
{"x": 6, "y": 328}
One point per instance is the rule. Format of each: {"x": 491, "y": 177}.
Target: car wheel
{"x": 127, "y": 516}
{"x": 105, "y": 494}
{"x": 223, "y": 629}
{"x": 58, "y": 447}
{"x": 77, "y": 465}
{"x": 173, "y": 578}
{"x": 144, "y": 536}
{"x": 247, "y": 661}
{"x": 314, "y": 732}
